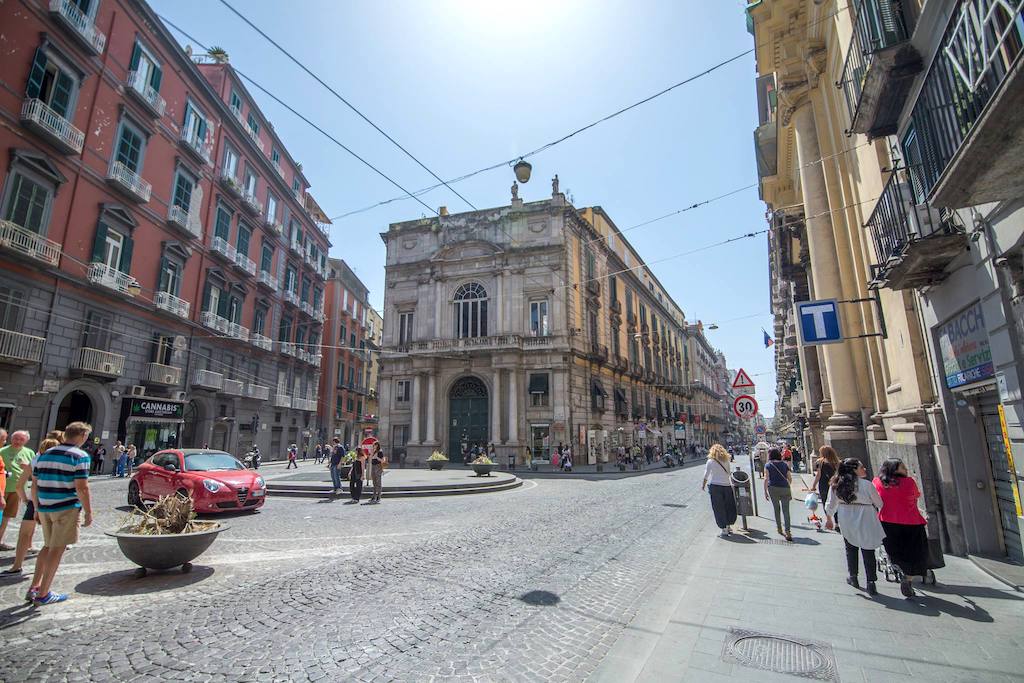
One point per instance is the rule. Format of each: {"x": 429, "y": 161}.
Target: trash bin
{"x": 741, "y": 489}
{"x": 511, "y": 461}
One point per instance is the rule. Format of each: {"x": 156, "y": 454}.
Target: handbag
{"x": 936, "y": 560}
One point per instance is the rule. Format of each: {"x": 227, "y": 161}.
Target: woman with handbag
{"x": 378, "y": 461}
{"x": 718, "y": 481}
{"x": 856, "y": 504}
{"x": 777, "y": 489}
{"x": 906, "y": 541}
{"x": 826, "y": 466}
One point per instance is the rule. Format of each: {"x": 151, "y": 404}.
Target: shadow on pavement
{"x": 931, "y": 606}
{"x": 540, "y": 598}
{"x": 127, "y": 583}
{"x": 674, "y": 505}
{"x": 19, "y": 614}
{"x": 972, "y": 591}
{"x": 738, "y": 538}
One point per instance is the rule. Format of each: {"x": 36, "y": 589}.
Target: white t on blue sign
{"x": 819, "y": 322}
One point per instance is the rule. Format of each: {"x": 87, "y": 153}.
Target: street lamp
{"x": 134, "y": 288}
{"x": 522, "y": 170}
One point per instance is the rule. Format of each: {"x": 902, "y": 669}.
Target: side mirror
{"x": 171, "y": 467}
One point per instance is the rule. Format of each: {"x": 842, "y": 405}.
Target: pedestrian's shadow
{"x": 932, "y": 606}
{"x": 128, "y": 583}
{"x": 738, "y": 538}
{"x": 19, "y": 614}
{"x": 973, "y": 591}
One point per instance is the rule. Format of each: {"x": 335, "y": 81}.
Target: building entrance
{"x": 467, "y": 416}
{"x": 1003, "y": 478}
{"x": 76, "y": 407}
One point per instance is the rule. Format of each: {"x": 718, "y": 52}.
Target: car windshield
{"x": 210, "y": 461}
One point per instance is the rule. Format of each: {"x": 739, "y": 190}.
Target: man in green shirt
{"x": 16, "y": 457}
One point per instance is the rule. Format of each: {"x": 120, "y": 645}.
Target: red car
{"x": 216, "y": 481}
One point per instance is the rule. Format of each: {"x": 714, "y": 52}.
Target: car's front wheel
{"x": 135, "y": 496}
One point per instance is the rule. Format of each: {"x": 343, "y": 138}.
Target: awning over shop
{"x": 597, "y": 389}
{"x": 156, "y": 420}
{"x": 539, "y": 383}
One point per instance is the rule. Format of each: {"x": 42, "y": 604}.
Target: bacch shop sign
{"x": 964, "y": 348}
{"x": 143, "y": 408}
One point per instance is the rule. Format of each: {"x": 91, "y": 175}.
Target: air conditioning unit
{"x": 179, "y": 396}
{"x": 137, "y": 389}
{"x": 168, "y": 379}
{"x": 108, "y": 368}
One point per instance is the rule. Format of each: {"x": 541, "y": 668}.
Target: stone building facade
{"x": 527, "y": 326}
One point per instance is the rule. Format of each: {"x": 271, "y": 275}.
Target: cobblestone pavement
{"x": 528, "y": 584}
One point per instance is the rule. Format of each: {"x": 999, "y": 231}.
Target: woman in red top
{"x": 905, "y": 542}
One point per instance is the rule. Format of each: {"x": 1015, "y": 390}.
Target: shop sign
{"x": 680, "y": 431}
{"x": 964, "y": 348}
{"x": 151, "y": 407}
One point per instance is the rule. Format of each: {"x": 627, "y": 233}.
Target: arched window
{"x": 470, "y": 311}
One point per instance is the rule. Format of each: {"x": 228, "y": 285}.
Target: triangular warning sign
{"x": 742, "y": 380}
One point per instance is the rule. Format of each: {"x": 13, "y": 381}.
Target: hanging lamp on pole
{"x": 522, "y": 170}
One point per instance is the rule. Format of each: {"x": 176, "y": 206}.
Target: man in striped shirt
{"x": 60, "y": 489}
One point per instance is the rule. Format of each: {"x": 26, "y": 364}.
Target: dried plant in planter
{"x": 170, "y": 515}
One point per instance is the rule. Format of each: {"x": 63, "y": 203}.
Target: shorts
{"x": 60, "y": 528}
{"x": 12, "y": 503}
{"x": 30, "y": 511}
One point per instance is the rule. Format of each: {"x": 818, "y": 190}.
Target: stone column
{"x": 431, "y": 409}
{"x": 414, "y": 436}
{"x": 499, "y": 304}
{"x": 496, "y": 408}
{"x": 844, "y": 422}
{"x": 438, "y": 308}
{"x": 513, "y": 407}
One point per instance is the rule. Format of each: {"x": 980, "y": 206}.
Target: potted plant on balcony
{"x": 483, "y": 465}
{"x": 437, "y": 460}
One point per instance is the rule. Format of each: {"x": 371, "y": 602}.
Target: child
{"x": 291, "y": 460}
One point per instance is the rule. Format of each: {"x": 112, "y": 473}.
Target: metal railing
{"x": 221, "y": 246}
{"x": 277, "y": 167}
{"x": 138, "y": 84}
{"x": 172, "y": 304}
{"x": 245, "y": 263}
{"x": 202, "y": 148}
{"x": 296, "y": 246}
{"x": 898, "y": 218}
{"x": 20, "y": 348}
{"x": 977, "y": 52}
{"x": 27, "y": 243}
{"x": 80, "y": 22}
{"x": 253, "y": 135}
{"x": 879, "y": 25}
{"x": 230, "y": 183}
{"x": 281, "y": 400}
{"x": 158, "y": 373}
{"x": 306, "y": 404}
{"x": 111, "y": 278}
{"x": 287, "y": 349}
{"x": 37, "y": 112}
{"x": 180, "y": 217}
{"x": 250, "y": 201}
{"x": 306, "y": 308}
{"x": 99, "y": 362}
{"x": 236, "y": 331}
{"x": 265, "y": 278}
{"x": 129, "y": 180}
{"x": 257, "y": 391}
{"x": 261, "y": 342}
{"x": 233, "y": 387}
{"x": 290, "y": 297}
{"x": 214, "y": 321}
{"x": 207, "y": 379}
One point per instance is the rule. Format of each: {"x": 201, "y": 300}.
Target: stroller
{"x": 893, "y": 574}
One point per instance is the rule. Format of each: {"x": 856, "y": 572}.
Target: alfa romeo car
{"x": 216, "y": 481}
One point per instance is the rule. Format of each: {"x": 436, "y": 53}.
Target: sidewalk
{"x": 969, "y": 627}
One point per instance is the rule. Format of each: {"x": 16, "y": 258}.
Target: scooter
{"x": 669, "y": 460}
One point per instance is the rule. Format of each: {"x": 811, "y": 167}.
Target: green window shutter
{"x": 35, "y": 76}
{"x": 99, "y": 243}
{"x": 61, "y": 100}
{"x": 154, "y": 78}
{"x": 162, "y": 286}
{"x": 202, "y": 131}
{"x": 188, "y": 113}
{"x": 223, "y": 226}
{"x": 136, "y": 53}
{"x": 126, "y": 255}
{"x": 206, "y": 297}
{"x": 222, "y": 305}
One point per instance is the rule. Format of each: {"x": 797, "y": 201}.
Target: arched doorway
{"x": 76, "y": 407}
{"x": 190, "y": 433}
{"x": 468, "y": 415}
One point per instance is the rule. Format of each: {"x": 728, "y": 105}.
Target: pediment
{"x": 467, "y": 250}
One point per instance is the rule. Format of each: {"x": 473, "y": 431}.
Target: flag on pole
{"x": 768, "y": 341}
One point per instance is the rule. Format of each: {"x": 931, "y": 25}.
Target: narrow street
{"x": 559, "y": 580}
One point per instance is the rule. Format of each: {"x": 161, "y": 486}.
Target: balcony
{"x": 967, "y": 125}
{"x": 469, "y": 344}
{"x": 223, "y": 248}
{"x": 319, "y": 315}
{"x": 81, "y": 26}
{"x": 274, "y": 224}
{"x": 20, "y": 349}
{"x": 180, "y": 218}
{"x": 879, "y": 69}
{"x": 98, "y": 363}
{"x": 229, "y": 183}
{"x": 296, "y": 246}
{"x": 290, "y": 297}
{"x": 244, "y": 263}
{"x": 129, "y": 182}
{"x": 111, "y": 278}
{"x": 236, "y": 331}
{"x": 913, "y": 241}
{"x": 253, "y": 135}
{"x": 267, "y": 280}
{"x": 598, "y": 352}
{"x": 58, "y": 131}
{"x": 280, "y": 400}
{"x": 232, "y": 387}
{"x": 278, "y": 169}
{"x": 261, "y": 342}
{"x": 172, "y": 304}
{"x": 315, "y": 359}
{"x": 288, "y": 349}
{"x": 257, "y": 391}
{"x": 306, "y": 404}
{"x": 214, "y": 322}
{"x": 162, "y": 375}
{"x": 138, "y": 87}
{"x": 17, "y": 239}
{"x": 250, "y": 202}
{"x": 306, "y": 308}
{"x": 207, "y": 379}
{"x": 200, "y": 149}
{"x": 301, "y": 354}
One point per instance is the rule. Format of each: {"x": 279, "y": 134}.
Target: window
{"x": 341, "y": 373}
{"x": 290, "y": 283}
{"x": 28, "y": 203}
{"x": 300, "y": 337}
{"x": 403, "y": 391}
{"x": 304, "y": 292}
{"x": 296, "y": 186}
{"x": 470, "y": 311}
{"x": 112, "y": 248}
{"x": 259, "y": 320}
{"x": 271, "y": 207}
{"x": 53, "y": 83}
{"x": 254, "y": 125}
{"x": 184, "y": 183}
{"x": 244, "y": 236}
{"x": 212, "y": 299}
{"x": 145, "y": 67}
{"x": 96, "y": 334}
{"x": 634, "y": 356}
{"x": 591, "y": 264}
{"x": 170, "y": 276}
{"x": 318, "y": 298}
{"x": 163, "y": 349}
{"x": 630, "y": 316}
{"x": 234, "y": 310}
{"x": 344, "y": 333}
{"x": 195, "y": 126}
{"x": 267, "y": 257}
{"x": 539, "y": 326}
{"x": 350, "y": 404}
{"x": 130, "y": 147}
{"x": 339, "y": 406}
{"x": 230, "y": 167}
{"x": 12, "y": 308}
{"x": 613, "y": 288}
{"x": 284, "y": 329}
{"x": 250, "y": 181}
{"x": 405, "y": 329}
{"x": 616, "y": 349}
{"x": 539, "y": 390}
{"x": 275, "y": 156}
{"x": 222, "y": 226}
{"x": 236, "y": 103}
{"x": 359, "y": 407}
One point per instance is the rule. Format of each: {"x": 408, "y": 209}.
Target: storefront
{"x": 152, "y": 424}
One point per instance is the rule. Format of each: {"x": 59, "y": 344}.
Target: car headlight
{"x": 260, "y": 483}
{"x": 211, "y": 485}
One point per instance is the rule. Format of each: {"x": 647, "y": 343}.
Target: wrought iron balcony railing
{"x": 207, "y": 379}
{"x": 221, "y": 246}
{"x": 20, "y": 349}
{"x": 15, "y": 238}
{"x": 112, "y": 278}
{"x": 36, "y": 115}
{"x": 129, "y": 181}
{"x": 201, "y": 148}
{"x": 261, "y": 342}
{"x": 172, "y": 304}
{"x": 164, "y": 375}
{"x": 81, "y": 25}
{"x": 98, "y": 362}
{"x": 137, "y": 85}
{"x": 179, "y": 217}
{"x": 267, "y": 280}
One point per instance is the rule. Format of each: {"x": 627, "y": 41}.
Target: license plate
{"x": 257, "y": 494}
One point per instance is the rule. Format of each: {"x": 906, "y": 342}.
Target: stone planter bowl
{"x": 165, "y": 551}
{"x": 437, "y": 464}
{"x": 483, "y": 470}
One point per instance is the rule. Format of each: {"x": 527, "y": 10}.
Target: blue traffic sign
{"x": 819, "y": 322}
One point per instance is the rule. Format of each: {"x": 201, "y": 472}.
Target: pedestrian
{"x": 567, "y": 460}
{"x": 378, "y": 461}
{"x": 355, "y": 476}
{"x": 99, "y": 455}
{"x": 718, "y": 482}
{"x": 61, "y": 505}
{"x": 335, "y": 464}
{"x": 491, "y": 454}
{"x": 28, "y": 520}
{"x": 318, "y": 453}
{"x": 758, "y": 464}
{"x": 827, "y": 466}
{"x": 15, "y": 457}
{"x": 305, "y": 452}
{"x": 855, "y": 503}
{"x": 3, "y": 438}
{"x": 787, "y": 454}
{"x": 291, "y": 460}
{"x": 120, "y": 453}
{"x": 132, "y": 453}
{"x": 906, "y": 541}
{"x": 777, "y": 490}
{"x": 796, "y": 459}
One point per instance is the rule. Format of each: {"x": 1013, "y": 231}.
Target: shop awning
{"x": 597, "y": 389}
{"x": 156, "y": 420}
{"x": 539, "y": 383}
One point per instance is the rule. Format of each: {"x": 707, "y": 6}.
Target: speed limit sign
{"x": 745, "y": 406}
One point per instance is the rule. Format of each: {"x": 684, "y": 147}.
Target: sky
{"x": 467, "y": 84}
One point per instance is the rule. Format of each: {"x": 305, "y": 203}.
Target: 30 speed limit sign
{"x": 745, "y": 406}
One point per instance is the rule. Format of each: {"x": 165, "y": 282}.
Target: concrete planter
{"x": 437, "y": 464}
{"x": 483, "y": 470}
{"x": 165, "y": 551}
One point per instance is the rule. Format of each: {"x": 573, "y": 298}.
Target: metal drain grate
{"x": 782, "y": 654}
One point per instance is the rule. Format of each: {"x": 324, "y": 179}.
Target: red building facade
{"x": 163, "y": 263}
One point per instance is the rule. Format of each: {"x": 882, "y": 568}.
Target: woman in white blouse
{"x": 723, "y": 501}
{"x": 856, "y": 504}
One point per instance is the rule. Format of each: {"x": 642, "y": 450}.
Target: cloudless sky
{"x": 465, "y": 84}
